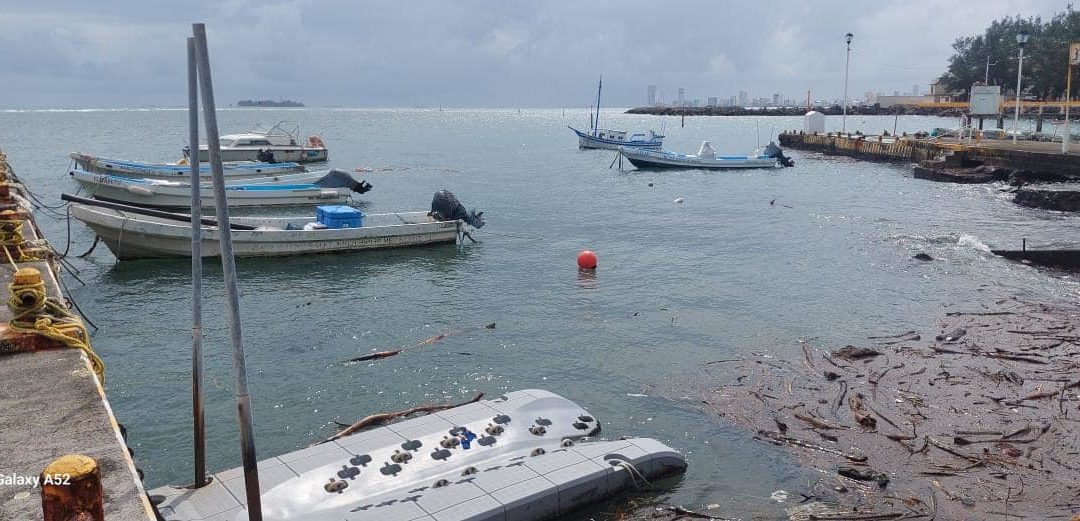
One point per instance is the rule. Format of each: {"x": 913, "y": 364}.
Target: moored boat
{"x": 135, "y": 233}
{"x": 770, "y": 157}
{"x": 608, "y": 139}
{"x": 333, "y": 187}
{"x": 274, "y": 145}
{"x": 126, "y": 168}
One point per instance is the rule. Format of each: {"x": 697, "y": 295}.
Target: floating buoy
{"x": 650, "y": 184}
{"x": 586, "y": 260}
{"x": 679, "y": 200}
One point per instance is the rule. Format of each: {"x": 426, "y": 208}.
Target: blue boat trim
{"x": 654, "y": 143}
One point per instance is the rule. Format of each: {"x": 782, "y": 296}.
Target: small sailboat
{"x": 772, "y": 156}
{"x": 614, "y": 139}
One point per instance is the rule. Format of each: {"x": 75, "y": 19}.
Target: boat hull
{"x": 138, "y": 237}
{"x": 260, "y": 192}
{"x": 292, "y": 154}
{"x": 669, "y": 160}
{"x": 235, "y": 170}
{"x": 586, "y": 140}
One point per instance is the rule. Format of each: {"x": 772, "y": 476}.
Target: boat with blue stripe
{"x": 608, "y": 139}
{"x": 307, "y": 188}
{"x": 126, "y": 168}
{"x": 706, "y": 159}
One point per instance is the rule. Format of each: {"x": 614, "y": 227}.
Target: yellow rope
{"x": 36, "y": 313}
{"x": 10, "y": 231}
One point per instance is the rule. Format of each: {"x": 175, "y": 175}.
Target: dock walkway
{"x": 51, "y": 401}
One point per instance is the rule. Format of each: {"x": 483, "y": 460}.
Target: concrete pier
{"x": 51, "y": 401}
{"x": 1039, "y": 160}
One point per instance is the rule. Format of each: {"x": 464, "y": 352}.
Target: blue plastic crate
{"x": 337, "y": 216}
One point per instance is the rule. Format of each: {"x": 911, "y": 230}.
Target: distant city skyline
{"x": 127, "y": 53}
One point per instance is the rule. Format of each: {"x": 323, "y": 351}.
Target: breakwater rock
{"x": 1064, "y": 198}
{"x": 834, "y": 110}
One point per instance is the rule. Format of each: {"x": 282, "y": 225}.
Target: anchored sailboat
{"x": 614, "y": 139}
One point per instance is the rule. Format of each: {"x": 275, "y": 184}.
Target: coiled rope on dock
{"x": 34, "y": 312}
{"x": 37, "y": 313}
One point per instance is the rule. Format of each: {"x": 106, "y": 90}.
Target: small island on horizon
{"x": 268, "y": 103}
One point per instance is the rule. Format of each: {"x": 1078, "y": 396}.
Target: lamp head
{"x": 1022, "y": 37}
{"x": 849, "y": 36}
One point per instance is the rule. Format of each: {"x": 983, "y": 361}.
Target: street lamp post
{"x": 1021, "y": 39}
{"x": 847, "y": 61}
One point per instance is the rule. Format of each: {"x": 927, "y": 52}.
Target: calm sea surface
{"x": 722, "y": 275}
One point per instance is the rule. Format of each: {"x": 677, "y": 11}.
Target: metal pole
{"x": 1067, "y": 135}
{"x": 1019, "y": 71}
{"x": 228, "y": 265}
{"x": 847, "y": 61}
{"x": 199, "y": 436}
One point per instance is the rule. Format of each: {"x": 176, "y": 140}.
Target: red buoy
{"x": 586, "y": 260}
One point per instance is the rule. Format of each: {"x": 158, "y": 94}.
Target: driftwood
{"x": 387, "y": 417}
{"x": 427, "y": 341}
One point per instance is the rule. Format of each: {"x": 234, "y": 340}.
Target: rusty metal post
{"x": 71, "y": 490}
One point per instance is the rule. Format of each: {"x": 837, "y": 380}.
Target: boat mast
{"x": 596, "y": 123}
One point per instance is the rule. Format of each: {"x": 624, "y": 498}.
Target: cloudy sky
{"x": 476, "y": 53}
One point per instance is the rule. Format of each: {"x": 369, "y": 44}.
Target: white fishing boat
{"x": 333, "y": 187}
{"x": 280, "y": 143}
{"x": 232, "y": 170}
{"x": 134, "y": 233}
{"x": 608, "y": 139}
{"x": 706, "y": 159}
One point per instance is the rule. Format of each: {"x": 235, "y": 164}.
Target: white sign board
{"x": 1074, "y": 54}
{"x": 985, "y": 100}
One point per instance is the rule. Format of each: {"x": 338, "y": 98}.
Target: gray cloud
{"x": 476, "y": 53}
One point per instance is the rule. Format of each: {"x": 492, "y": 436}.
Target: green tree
{"x": 1045, "y": 55}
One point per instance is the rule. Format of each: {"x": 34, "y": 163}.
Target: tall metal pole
{"x": 847, "y": 61}
{"x": 596, "y": 122}
{"x": 1019, "y": 72}
{"x": 199, "y": 435}
{"x": 1066, "y": 128}
{"x": 228, "y": 266}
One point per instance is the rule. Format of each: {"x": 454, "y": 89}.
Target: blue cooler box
{"x": 335, "y": 217}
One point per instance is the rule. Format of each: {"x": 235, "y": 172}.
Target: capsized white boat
{"x": 232, "y": 170}
{"x": 333, "y": 187}
{"x": 525, "y": 456}
{"x": 134, "y": 233}
{"x": 769, "y": 157}
{"x": 280, "y": 143}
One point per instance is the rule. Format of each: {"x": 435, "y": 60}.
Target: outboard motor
{"x": 773, "y": 150}
{"x": 265, "y": 156}
{"x": 337, "y": 178}
{"x": 446, "y": 207}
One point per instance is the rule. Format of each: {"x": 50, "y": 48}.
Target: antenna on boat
{"x": 228, "y": 266}
{"x": 198, "y": 422}
{"x": 757, "y": 130}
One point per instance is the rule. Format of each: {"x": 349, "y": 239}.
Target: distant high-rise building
{"x": 651, "y": 95}
{"x": 744, "y": 99}
{"x": 712, "y": 101}
{"x": 895, "y": 93}
{"x": 775, "y": 100}
{"x": 732, "y": 101}
{"x": 680, "y": 99}
{"x": 915, "y": 90}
